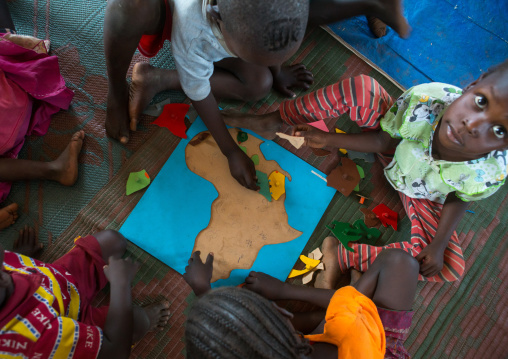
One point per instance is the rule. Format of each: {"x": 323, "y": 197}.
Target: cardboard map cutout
{"x": 242, "y": 221}
{"x": 177, "y": 207}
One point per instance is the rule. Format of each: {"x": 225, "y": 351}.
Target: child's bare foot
{"x": 264, "y": 125}
{"x": 117, "y": 113}
{"x": 8, "y": 215}
{"x": 355, "y": 276}
{"x": 27, "y": 243}
{"x": 147, "y": 81}
{"x": 376, "y": 26}
{"x": 327, "y": 278}
{"x": 149, "y": 318}
{"x": 391, "y": 12}
{"x": 65, "y": 167}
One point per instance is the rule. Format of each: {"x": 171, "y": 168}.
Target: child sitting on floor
{"x": 31, "y": 90}
{"x": 45, "y": 309}
{"x": 222, "y": 49}
{"x": 370, "y": 319}
{"x": 441, "y": 146}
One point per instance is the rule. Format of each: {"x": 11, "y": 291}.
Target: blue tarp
{"x": 451, "y": 41}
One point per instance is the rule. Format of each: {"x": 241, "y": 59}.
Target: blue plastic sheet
{"x": 451, "y": 41}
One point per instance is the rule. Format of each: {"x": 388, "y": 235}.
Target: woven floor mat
{"x": 465, "y": 319}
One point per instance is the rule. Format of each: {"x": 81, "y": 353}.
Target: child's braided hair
{"x": 237, "y": 323}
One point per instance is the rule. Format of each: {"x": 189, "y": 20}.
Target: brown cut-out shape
{"x": 320, "y": 152}
{"x": 370, "y": 218}
{"x": 199, "y": 138}
{"x": 241, "y": 220}
{"x": 344, "y": 178}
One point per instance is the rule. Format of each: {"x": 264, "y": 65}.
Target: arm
{"x": 240, "y": 165}
{"x": 273, "y": 289}
{"x": 118, "y": 329}
{"x": 372, "y": 141}
{"x": 431, "y": 257}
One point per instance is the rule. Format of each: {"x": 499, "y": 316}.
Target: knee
{"x": 112, "y": 243}
{"x": 330, "y": 244}
{"x": 400, "y": 259}
{"x": 257, "y": 85}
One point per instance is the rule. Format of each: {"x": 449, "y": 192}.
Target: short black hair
{"x": 499, "y": 68}
{"x": 272, "y": 25}
{"x": 232, "y": 322}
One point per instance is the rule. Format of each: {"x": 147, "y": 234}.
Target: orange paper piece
{"x": 172, "y": 118}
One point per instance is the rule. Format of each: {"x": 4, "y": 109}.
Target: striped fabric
{"x": 361, "y": 97}
{"x": 424, "y": 216}
{"x": 366, "y": 101}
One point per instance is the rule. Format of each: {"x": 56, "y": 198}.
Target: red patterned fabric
{"x": 49, "y": 315}
{"x": 396, "y": 325}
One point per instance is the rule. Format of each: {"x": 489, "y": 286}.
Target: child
{"x": 31, "y": 91}
{"x": 449, "y": 148}
{"x": 370, "y": 319}
{"x": 222, "y": 49}
{"x": 45, "y": 309}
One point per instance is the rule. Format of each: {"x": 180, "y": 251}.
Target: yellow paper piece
{"x": 342, "y": 150}
{"x": 277, "y": 183}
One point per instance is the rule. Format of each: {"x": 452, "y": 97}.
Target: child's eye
{"x": 499, "y": 131}
{"x": 480, "y": 101}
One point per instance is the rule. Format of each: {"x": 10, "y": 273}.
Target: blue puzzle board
{"x": 177, "y": 206}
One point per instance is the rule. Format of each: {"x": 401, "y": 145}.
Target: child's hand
{"x": 27, "y": 243}
{"x": 265, "y": 285}
{"x": 431, "y": 260}
{"x": 120, "y": 269}
{"x": 292, "y": 76}
{"x": 198, "y": 274}
{"x": 242, "y": 169}
{"x": 313, "y": 137}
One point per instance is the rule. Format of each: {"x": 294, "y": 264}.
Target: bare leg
{"x": 264, "y": 125}
{"x": 323, "y": 12}
{"x": 391, "y": 281}
{"x": 5, "y": 17}
{"x": 64, "y": 169}
{"x": 147, "y": 81}
{"x": 355, "y": 276}
{"x": 8, "y": 215}
{"x": 149, "y": 318}
{"x": 328, "y": 278}
{"x": 27, "y": 243}
{"x": 124, "y": 24}
{"x": 113, "y": 244}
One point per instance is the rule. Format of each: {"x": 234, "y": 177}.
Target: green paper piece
{"x": 264, "y": 187}
{"x": 137, "y": 181}
{"x": 244, "y": 149}
{"x": 359, "y": 231}
{"x": 362, "y": 176}
{"x": 242, "y": 136}
{"x": 255, "y": 159}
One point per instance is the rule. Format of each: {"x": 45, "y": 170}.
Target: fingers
{"x": 420, "y": 257}
{"x": 209, "y": 259}
{"x": 298, "y": 129}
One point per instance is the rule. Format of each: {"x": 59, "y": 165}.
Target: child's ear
{"x": 213, "y": 11}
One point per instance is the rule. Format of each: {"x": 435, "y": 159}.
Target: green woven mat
{"x": 461, "y": 320}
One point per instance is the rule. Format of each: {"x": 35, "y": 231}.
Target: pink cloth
{"x": 32, "y": 91}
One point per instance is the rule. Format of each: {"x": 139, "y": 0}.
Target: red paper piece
{"x": 386, "y": 215}
{"x": 319, "y": 125}
{"x": 172, "y": 117}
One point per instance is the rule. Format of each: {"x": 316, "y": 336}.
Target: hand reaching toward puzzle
{"x": 313, "y": 137}
{"x": 120, "y": 271}
{"x": 242, "y": 169}
{"x": 289, "y": 77}
{"x": 266, "y": 285}
{"x": 198, "y": 274}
